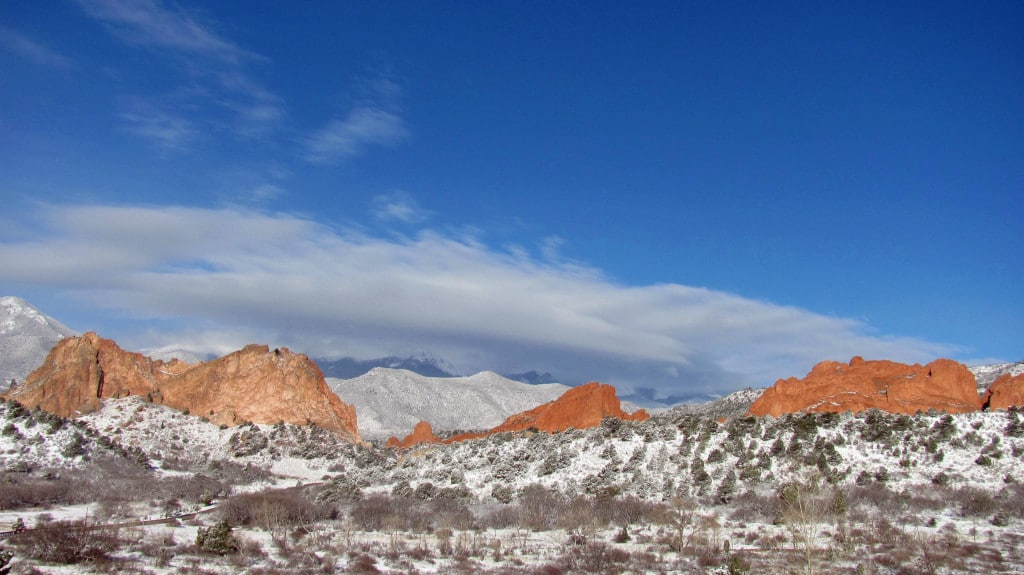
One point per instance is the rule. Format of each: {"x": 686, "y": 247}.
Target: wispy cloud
{"x": 31, "y": 50}
{"x": 216, "y": 68}
{"x": 149, "y": 23}
{"x": 265, "y": 192}
{"x": 167, "y": 133}
{"x": 343, "y": 138}
{"x": 399, "y": 206}
{"x": 290, "y": 281}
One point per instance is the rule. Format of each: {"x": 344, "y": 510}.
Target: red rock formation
{"x": 943, "y": 384}
{"x": 580, "y": 408}
{"x": 252, "y": 384}
{"x": 1005, "y": 392}
{"x": 422, "y": 433}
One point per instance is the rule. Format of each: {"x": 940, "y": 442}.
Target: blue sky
{"x": 690, "y": 196}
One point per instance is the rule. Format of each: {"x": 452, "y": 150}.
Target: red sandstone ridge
{"x": 943, "y": 384}
{"x": 580, "y": 408}
{"x": 422, "y": 433}
{"x": 1005, "y": 392}
{"x": 252, "y": 384}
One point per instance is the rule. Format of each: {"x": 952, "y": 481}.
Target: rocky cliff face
{"x": 252, "y": 384}
{"x": 580, "y": 408}
{"x": 943, "y": 384}
{"x": 1005, "y": 392}
{"x": 422, "y": 433}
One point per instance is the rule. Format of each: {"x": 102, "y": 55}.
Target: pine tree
{"x": 217, "y": 539}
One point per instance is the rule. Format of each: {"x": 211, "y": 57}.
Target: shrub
{"x": 364, "y": 564}
{"x": 217, "y": 539}
{"x": 369, "y": 513}
{"x": 273, "y": 509}
{"x": 68, "y": 542}
{"x": 974, "y": 502}
{"x": 5, "y": 560}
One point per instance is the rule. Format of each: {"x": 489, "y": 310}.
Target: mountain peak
{"x": 26, "y": 336}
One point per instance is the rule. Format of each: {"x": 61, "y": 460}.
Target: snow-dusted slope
{"x": 986, "y": 374}
{"x": 733, "y": 405}
{"x": 26, "y": 336}
{"x": 391, "y": 401}
{"x": 169, "y": 353}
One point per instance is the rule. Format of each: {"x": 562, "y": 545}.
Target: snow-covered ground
{"x": 913, "y": 486}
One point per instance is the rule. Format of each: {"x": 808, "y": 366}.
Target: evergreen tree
{"x": 217, "y": 539}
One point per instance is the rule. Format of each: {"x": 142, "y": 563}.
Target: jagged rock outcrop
{"x": 580, "y": 408}
{"x": 422, "y": 433}
{"x": 1005, "y": 392}
{"x": 943, "y": 385}
{"x": 253, "y": 384}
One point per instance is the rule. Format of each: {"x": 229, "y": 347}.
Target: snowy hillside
{"x": 986, "y": 374}
{"x": 669, "y": 455}
{"x": 26, "y": 336}
{"x": 733, "y": 405}
{"x": 891, "y": 488}
{"x": 391, "y": 401}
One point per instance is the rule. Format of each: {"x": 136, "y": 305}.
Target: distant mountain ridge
{"x": 532, "y": 377}
{"x": 349, "y": 367}
{"x": 392, "y": 401}
{"x": 26, "y": 337}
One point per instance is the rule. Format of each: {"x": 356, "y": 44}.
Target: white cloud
{"x": 31, "y": 50}
{"x": 265, "y": 192}
{"x": 166, "y": 132}
{"x": 239, "y": 276}
{"x": 215, "y": 66}
{"x": 399, "y": 206}
{"x": 149, "y": 23}
{"x": 343, "y": 138}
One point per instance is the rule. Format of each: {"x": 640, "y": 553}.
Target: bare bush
{"x": 68, "y": 542}
{"x": 752, "y": 506}
{"x": 500, "y": 517}
{"x": 274, "y": 510}
{"x": 974, "y": 502}
{"x": 36, "y": 493}
{"x": 540, "y": 507}
{"x": 452, "y": 513}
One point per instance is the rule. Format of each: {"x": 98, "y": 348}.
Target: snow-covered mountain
{"x": 986, "y": 374}
{"x": 391, "y": 401}
{"x": 26, "y": 336}
{"x": 169, "y": 353}
{"x": 736, "y": 404}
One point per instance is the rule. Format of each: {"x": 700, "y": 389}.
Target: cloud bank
{"x": 237, "y": 276}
